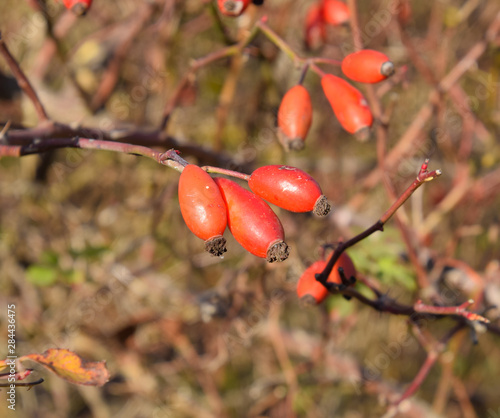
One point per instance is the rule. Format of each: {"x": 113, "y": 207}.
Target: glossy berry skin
{"x": 295, "y": 117}
{"x": 252, "y": 222}
{"x": 367, "y": 66}
{"x": 335, "y": 12}
{"x": 79, "y": 7}
{"x": 289, "y": 188}
{"x": 348, "y": 104}
{"x": 202, "y": 207}
{"x": 233, "y": 7}
{"x": 308, "y": 288}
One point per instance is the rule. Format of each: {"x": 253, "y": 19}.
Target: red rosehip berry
{"x": 348, "y": 104}
{"x": 203, "y": 208}
{"x": 295, "y": 117}
{"x": 367, "y": 66}
{"x": 347, "y": 265}
{"x": 335, "y": 12}
{"x": 78, "y": 7}
{"x": 233, "y": 7}
{"x": 309, "y": 290}
{"x": 289, "y": 188}
{"x": 314, "y": 30}
{"x": 252, "y": 222}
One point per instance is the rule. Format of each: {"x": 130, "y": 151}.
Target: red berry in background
{"x": 335, "y": 12}
{"x": 309, "y": 290}
{"x": 404, "y": 12}
{"x": 78, "y": 7}
{"x": 252, "y": 222}
{"x": 295, "y": 117}
{"x": 314, "y": 30}
{"x": 289, "y": 188}
{"x": 367, "y": 66}
{"x": 346, "y": 263}
{"x": 348, "y": 104}
{"x": 203, "y": 208}
{"x": 233, "y": 7}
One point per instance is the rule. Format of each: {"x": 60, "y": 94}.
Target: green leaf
{"x": 41, "y": 275}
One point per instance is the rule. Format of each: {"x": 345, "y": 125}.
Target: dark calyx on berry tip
{"x": 363, "y": 134}
{"x": 278, "y": 251}
{"x": 290, "y": 144}
{"x": 387, "y": 69}
{"x": 307, "y": 301}
{"x": 322, "y": 207}
{"x": 79, "y": 9}
{"x": 216, "y": 246}
{"x": 232, "y": 6}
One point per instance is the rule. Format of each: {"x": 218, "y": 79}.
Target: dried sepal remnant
{"x": 233, "y": 7}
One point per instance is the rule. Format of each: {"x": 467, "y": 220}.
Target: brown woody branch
{"x": 56, "y": 135}
{"x": 23, "y": 81}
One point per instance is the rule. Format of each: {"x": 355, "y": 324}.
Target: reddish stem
{"x": 451, "y": 310}
{"x": 226, "y": 172}
{"x": 23, "y": 81}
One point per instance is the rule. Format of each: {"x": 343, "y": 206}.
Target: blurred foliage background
{"x": 97, "y": 259}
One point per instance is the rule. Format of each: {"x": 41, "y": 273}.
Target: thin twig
{"x": 196, "y": 66}
{"x": 422, "y": 177}
{"x": 23, "y": 81}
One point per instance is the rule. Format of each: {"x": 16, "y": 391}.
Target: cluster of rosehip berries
{"x": 322, "y": 14}
{"x": 209, "y": 204}
{"x": 347, "y": 102}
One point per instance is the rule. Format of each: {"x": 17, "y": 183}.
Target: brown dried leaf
{"x": 71, "y": 367}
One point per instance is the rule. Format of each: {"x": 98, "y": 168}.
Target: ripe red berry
{"x": 295, "y": 117}
{"x": 367, "y": 66}
{"x": 203, "y": 208}
{"x": 233, "y": 7}
{"x": 78, "y": 7}
{"x": 289, "y": 188}
{"x": 309, "y": 290}
{"x": 335, "y": 12}
{"x": 252, "y": 222}
{"x": 348, "y": 104}
{"x": 347, "y": 265}
{"x": 314, "y": 30}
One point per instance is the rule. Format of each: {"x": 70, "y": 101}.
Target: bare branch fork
{"x": 423, "y": 176}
